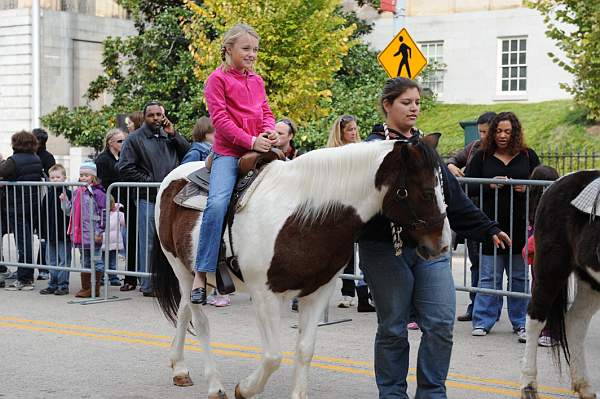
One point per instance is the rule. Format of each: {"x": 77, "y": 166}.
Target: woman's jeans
{"x": 398, "y": 283}
{"x": 58, "y": 253}
{"x": 223, "y": 175}
{"x": 488, "y": 307}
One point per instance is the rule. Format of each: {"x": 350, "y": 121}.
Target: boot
{"x": 363, "y": 300}
{"x": 99, "y": 277}
{"x": 85, "y": 291}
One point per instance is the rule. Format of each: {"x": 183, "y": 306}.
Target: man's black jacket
{"x": 148, "y": 157}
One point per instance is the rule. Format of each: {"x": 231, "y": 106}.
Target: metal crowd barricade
{"x": 126, "y": 194}
{"x": 480, "y": 182}
{"x": 23, "y": 205}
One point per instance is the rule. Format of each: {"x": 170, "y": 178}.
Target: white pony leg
{"x": 585, "y": 305}
{"x": 213, "y": 377}
{"x": 311, "y": 309}
{"x": 181, "y": 374}
{"x": 268, "y": 307}
{"x": 529, "y": 365}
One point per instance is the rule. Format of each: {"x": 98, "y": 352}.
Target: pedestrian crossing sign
{"x": 402, "y": 57}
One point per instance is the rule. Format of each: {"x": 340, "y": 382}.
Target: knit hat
{"x": 88, "y": 167}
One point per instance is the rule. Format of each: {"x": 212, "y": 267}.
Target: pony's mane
{"x": 319, "y": 182}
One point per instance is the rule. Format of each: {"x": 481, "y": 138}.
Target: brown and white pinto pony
{"x": 566, "y": 242}
{"x": 293, "y": 238}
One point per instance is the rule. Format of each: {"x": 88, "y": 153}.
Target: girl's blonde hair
{"x": 229, "y": 39}
{"x": 112, "y": 203}
{"x": 109, "y": 135}
{"x": 337, "y": 131}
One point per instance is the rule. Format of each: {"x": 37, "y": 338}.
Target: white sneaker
{"x": 478, "y": 332}
{"x": 346, "y": 302}
{"x": 19, "y": 286}
{"x": 546, "y": 341}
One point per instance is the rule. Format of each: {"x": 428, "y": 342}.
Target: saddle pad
{"x": 588, "y": 200}
{"x": 192, "y": 196}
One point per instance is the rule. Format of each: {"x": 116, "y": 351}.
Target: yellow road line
{"x": 507, "y": 388}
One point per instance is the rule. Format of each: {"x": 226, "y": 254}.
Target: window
{"x": 513, "y": 65}
{"x": 434, "y": 52}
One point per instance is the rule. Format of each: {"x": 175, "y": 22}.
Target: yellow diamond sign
{"x": 402, "y": 57}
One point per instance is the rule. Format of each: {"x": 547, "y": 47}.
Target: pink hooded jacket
{"x": 237, "y": 104}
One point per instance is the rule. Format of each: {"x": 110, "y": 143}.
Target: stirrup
{"x": 198, "y": 296}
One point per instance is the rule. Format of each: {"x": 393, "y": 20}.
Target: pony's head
{"x": 414, "y": 199}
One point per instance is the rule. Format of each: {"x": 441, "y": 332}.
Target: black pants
{"x": 348, "y": 286}
{"x": 21, "y": 226}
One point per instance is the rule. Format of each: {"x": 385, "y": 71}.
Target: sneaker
{"x": 61, "y": 291}
{"x": 479, "y": 332}
{"x": 210, "y": 300}
{"x": 48, "y": 290}
{"x": 222, "y": 301}
{"x": 546, "y": 341}
{"x": 346, "y": 302}
{"x": 43, "y": 276}
{"x": 20, "y": 286}
{"x": 115, "y": 283}
{"x": 412, "y": 325}
{"x": 522, "y": 334}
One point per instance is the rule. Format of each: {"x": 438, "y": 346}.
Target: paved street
{"x": 53, "y": 349}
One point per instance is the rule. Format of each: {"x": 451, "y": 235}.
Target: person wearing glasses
{"x": 286, "y": 130}
{"x": 106, "y": 165}
{"x": 344, "y": 131}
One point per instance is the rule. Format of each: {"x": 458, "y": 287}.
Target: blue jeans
{"x": 223, "y": 175}
{"x": 58, "y": 253}
{"x": 112, "y": 265}
{"x": 86, "y": 259}
{"x": 398, "y": 284}
{"x": 487, "y": 307}
{"x": 146, "y": 234}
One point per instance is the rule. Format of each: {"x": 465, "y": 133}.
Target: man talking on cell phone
{"x": 148, "y": 155}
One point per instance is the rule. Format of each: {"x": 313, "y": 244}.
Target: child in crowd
{"x": 204, "y": 137}
{"x": 54, "y": 222}
{"x": 541, "y": 172}
{"x": 86, "y": 226}
{"x": 114, "y": 239}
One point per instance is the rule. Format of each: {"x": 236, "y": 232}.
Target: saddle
{"x": 194, "y": 195}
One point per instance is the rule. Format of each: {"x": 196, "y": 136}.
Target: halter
{"x": 416, "y": 223}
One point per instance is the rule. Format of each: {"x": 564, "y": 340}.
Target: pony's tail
{"x": 555, "y": 325}
{"x": 165, "y": 283}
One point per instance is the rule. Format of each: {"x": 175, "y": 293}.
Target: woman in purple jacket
{"x": 237, "y": 104}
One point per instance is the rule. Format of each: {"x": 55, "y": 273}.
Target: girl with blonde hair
{"x": 344, "y": 131}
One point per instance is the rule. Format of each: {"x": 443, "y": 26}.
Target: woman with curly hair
{"x": 503, "y": 155}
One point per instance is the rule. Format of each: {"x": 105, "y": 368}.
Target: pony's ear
{"x": 432, "y": 139}
{"x": 392, "y": 163}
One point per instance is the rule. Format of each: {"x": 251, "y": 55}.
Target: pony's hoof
{"x": 218, "y": 395}
{"x": 183, "y": 380}
{"x": 238, "y": 395}
{"x": 529, "y": 392}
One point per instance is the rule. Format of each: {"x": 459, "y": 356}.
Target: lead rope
{"x": 396, "y": 230}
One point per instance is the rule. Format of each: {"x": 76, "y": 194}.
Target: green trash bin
{"x": 471, "y": 131}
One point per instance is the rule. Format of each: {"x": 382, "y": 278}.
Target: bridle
{"x": 401, "y": 196}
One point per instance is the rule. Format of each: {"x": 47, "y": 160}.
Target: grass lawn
{"x": 545, "y": 124}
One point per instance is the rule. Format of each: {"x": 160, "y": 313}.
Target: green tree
{"x": 575, "y": 26}
{"x": 155, "y": 64}
{"x": 305, "y": 41}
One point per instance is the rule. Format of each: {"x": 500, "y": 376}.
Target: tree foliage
{"x": 155, "y": 64}
{"x": 304, "y": 41}
{"x": 575, "y": 26}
